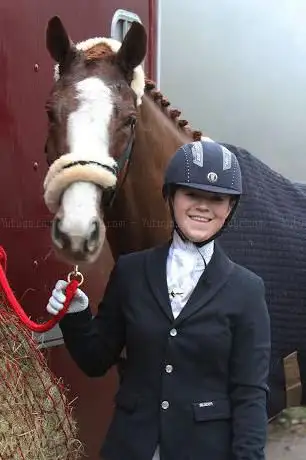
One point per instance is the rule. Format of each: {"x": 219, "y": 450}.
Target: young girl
{"x": 195, "y": 326}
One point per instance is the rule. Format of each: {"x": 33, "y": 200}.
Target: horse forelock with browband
{"x": 106, "y": 48}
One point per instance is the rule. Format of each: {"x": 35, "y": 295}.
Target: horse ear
{"x": 58, "y": 42}
{"x": 133, "y": 49}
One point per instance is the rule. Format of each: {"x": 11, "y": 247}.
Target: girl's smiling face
{"x": 200, "y": 214}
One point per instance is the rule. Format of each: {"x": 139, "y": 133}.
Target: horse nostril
{"x": 56, "y": 229}
{"x": 91, "y": 242}
{"x": 59, "y": 236}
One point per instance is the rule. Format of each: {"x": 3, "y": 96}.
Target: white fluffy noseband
{"x": 138, "y": 82}
{"x": 61, "y": 175}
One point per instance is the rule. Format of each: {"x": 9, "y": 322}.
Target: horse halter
{"x": 124, "y": 161}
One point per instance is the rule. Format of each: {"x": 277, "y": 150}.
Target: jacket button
{"x": 169, "y": 368}
{"x": 173, "y": 332}
{"x": 165, "y": 405}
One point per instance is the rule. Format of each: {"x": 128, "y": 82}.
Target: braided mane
{"x": 173, "y": 114}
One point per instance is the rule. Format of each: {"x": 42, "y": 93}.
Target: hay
{"x": 36, "y": 421}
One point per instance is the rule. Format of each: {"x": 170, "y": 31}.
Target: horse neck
{"x": 139, "y": 217}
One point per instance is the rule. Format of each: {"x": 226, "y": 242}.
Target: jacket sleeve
{"x": 249, "y": 375}
{"x": 95, "y": 343}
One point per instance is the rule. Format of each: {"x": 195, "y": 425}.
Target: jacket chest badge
{"x": 206, "y": 404}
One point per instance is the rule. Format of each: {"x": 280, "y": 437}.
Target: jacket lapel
{"x": 210, "y": 282}
{"x": 156, "y": 273}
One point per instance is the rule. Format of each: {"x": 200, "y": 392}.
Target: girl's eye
{"x": 192, "y": 195}
{"x": 213, "y": 198}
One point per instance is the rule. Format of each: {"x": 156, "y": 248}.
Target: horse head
{"x": 92, "y": 111}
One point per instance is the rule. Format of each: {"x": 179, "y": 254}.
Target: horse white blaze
{"x": 88, "y": 139}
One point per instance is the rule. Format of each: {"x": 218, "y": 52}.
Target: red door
{"x": 26, "y": 78}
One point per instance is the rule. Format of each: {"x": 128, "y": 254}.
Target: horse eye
{"x": 51, "y": 115}
{"x": 130, "y": 121}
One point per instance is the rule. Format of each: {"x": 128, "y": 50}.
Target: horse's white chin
{"x": 77, "y": 258}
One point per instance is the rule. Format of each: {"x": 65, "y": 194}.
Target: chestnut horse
{"x": 110, "y": 136}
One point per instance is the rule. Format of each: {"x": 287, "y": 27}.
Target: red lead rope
{"x": 43, "y": 327}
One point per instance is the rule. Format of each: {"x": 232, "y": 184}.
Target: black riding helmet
{"x": 203, "y": 165}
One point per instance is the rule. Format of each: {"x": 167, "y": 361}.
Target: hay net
{"x": 36, "y": 421}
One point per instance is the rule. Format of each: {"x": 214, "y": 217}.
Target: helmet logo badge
{"x": 197, "y": 153}
{"x": 212, "y": 177}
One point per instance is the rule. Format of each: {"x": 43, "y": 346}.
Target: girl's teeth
{"x": 200, "y": 219}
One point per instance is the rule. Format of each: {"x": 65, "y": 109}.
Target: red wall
{"x": 26, "y": 78}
